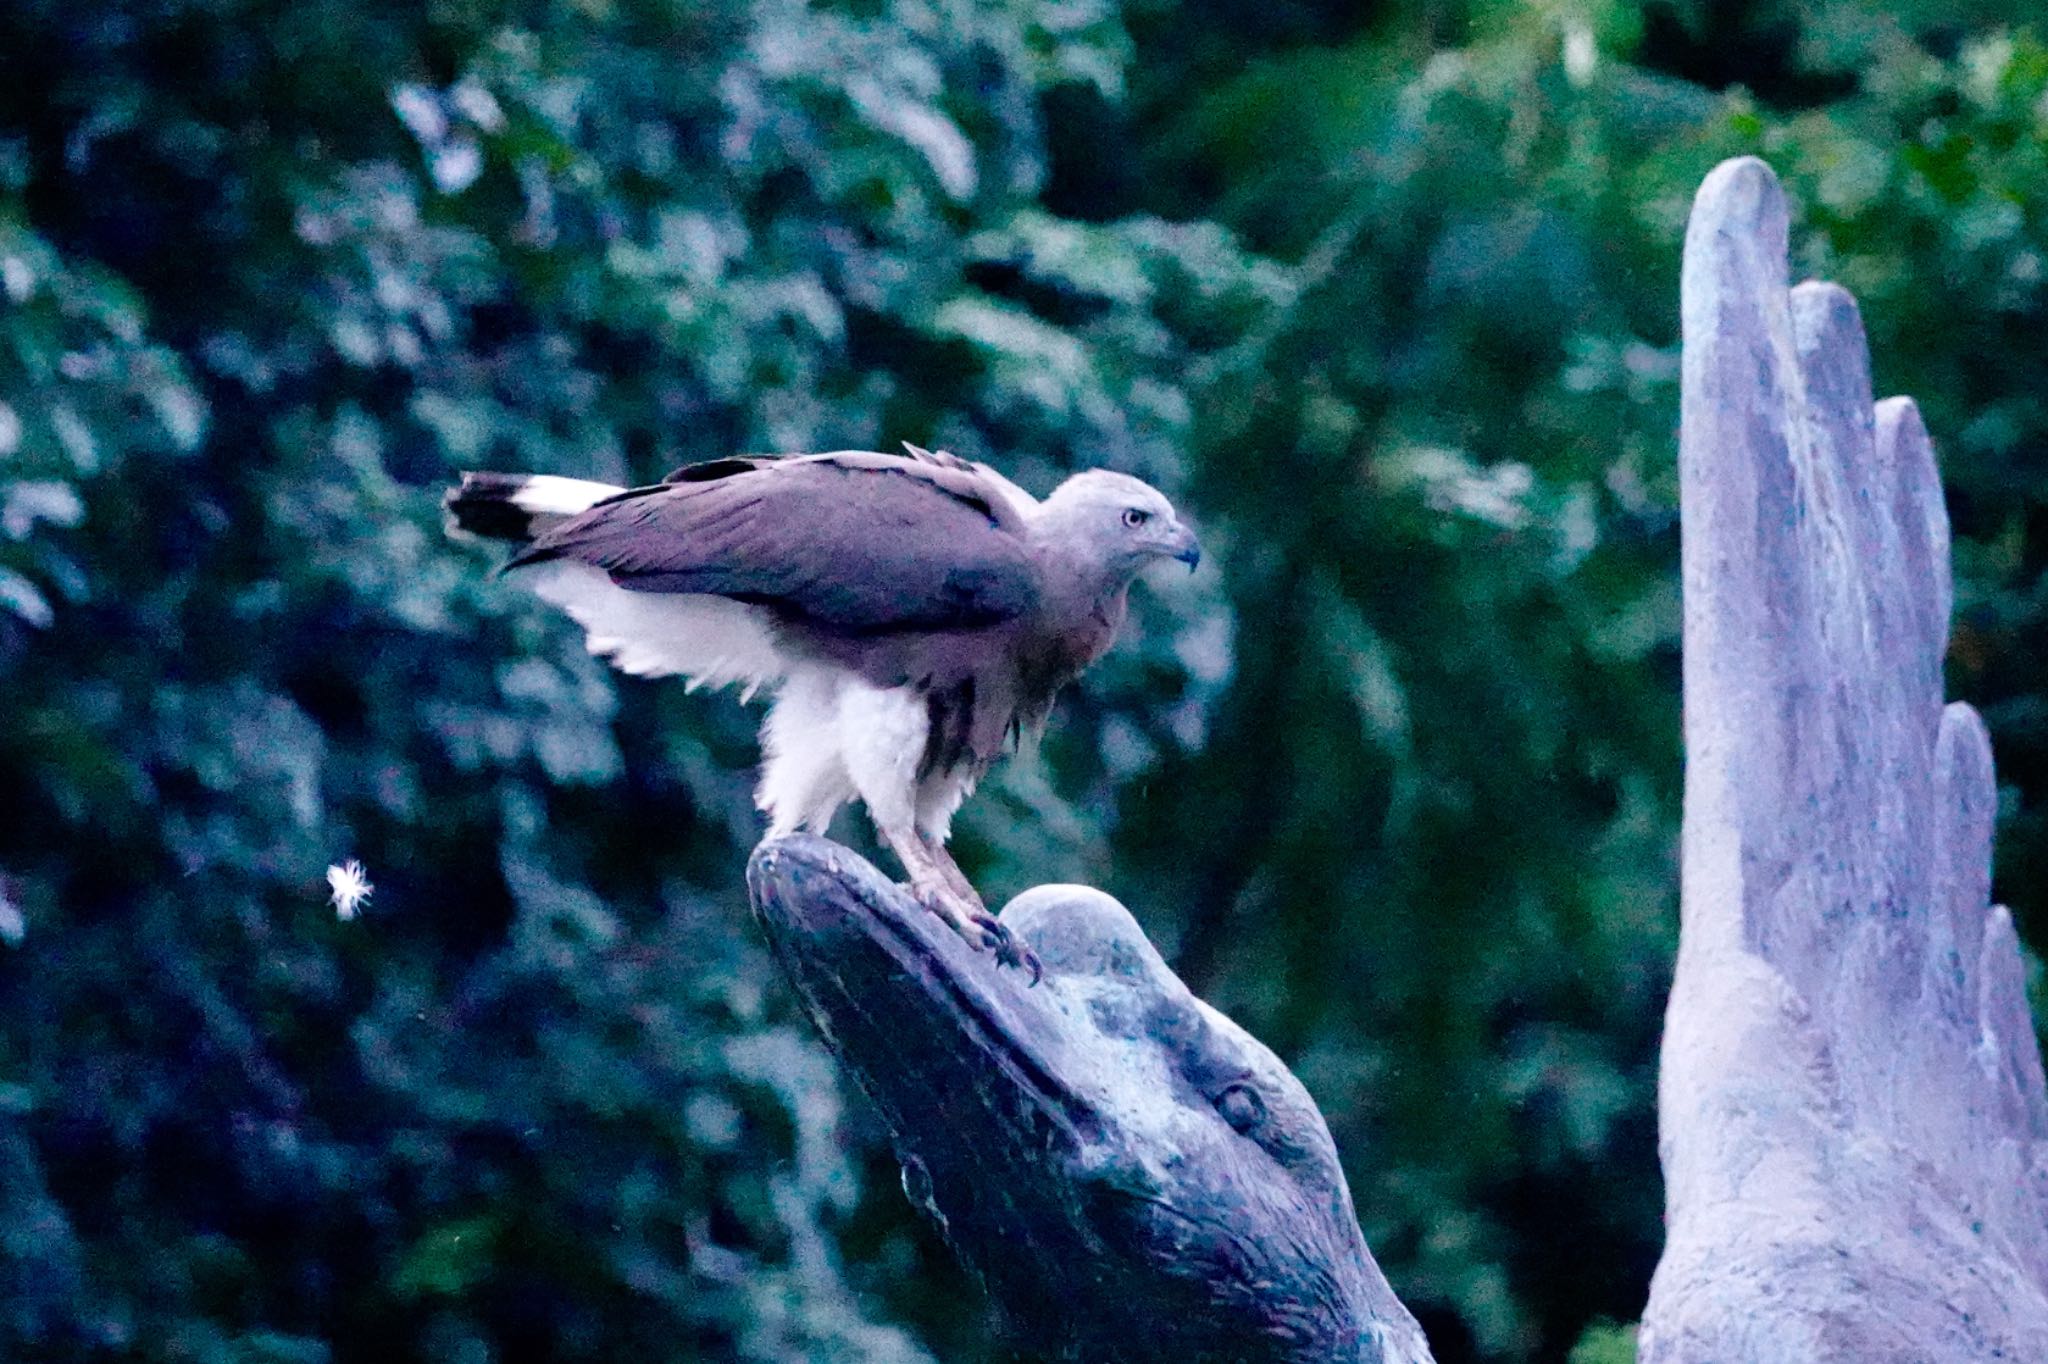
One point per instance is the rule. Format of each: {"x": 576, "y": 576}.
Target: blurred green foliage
{"x": 1384, "y": 293}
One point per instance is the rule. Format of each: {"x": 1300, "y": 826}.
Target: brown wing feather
{"x": 852, "y": 542}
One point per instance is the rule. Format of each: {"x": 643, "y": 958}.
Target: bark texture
{"x": 1854, "y": 1128}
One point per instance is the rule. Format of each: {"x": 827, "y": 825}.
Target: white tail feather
{"x": 553, "y": 495}
{"x": 712, "y": 641}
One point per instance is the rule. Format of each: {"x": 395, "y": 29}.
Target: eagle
{"x": 910, "y": 615}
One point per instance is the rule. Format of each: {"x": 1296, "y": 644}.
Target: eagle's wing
{"x": 854, "y": 542}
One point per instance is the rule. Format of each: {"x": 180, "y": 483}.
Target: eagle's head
{"x": 1114, "y": 522}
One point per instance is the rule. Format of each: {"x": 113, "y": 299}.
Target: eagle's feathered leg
{"x": 803, "y": 777}
{"x": 882, "y": 736}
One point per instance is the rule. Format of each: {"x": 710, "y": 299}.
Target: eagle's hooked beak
{"x": 1186, "y": 548}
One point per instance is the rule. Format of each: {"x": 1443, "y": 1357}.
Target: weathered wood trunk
{"x": 1854, "y": 1125}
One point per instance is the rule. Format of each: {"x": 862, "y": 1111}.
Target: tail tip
{"x": 485, "y": 504}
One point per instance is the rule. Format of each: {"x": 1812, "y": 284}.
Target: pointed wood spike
{"x": 1744, "y": 576}
{"x": 1850, "y": 549}
{"x": 1966, "y": 806}
{"x": 1906, "y": 456}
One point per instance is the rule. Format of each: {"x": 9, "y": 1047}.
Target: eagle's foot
{"x": 1008, "y": 947}
{"x": 982, "y": 930}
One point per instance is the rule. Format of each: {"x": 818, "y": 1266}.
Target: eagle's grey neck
{"x": 1077, "y": 573}
{"x": 1084, "y": 587}
{"x": 1074, "y": 590}
{"x": 1082, "y": 606}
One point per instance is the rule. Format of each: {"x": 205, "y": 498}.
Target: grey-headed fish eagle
{"x": 909, "y": 614}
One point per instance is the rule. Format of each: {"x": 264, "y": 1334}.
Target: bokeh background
{"x": 1384, "y": 293}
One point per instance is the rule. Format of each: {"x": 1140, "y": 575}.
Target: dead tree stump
{"x": 1854, "y": 1129}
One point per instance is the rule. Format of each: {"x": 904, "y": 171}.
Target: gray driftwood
{"x": 1131, "y": 1176}
{"x": 1854, "y": 1127}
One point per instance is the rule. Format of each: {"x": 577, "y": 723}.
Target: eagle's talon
{"x": 1009, "y": 949}
{"x": 982, "y": 931}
